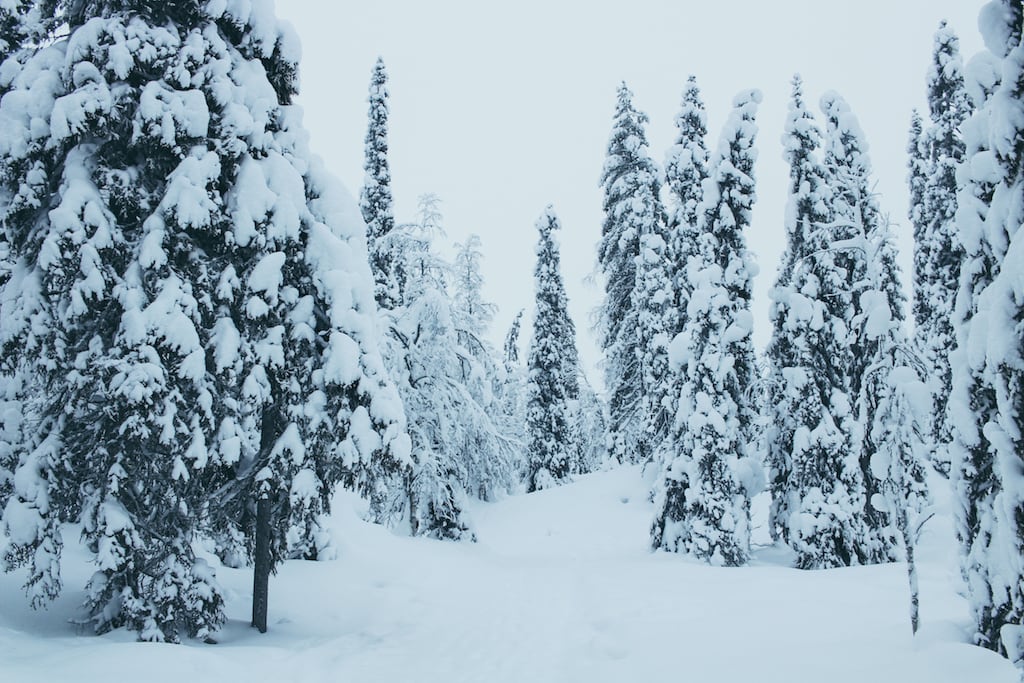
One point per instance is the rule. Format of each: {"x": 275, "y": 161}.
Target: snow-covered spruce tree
{"x": 511, "y": 345}
{"x": 813, "y": 312}
{"x": 631, "y": 208}
{"x": 714, "y": 428}
{"x": 375, "y": 198}
{"x": 940, "y": 252}
{"x": 918, "y": 169}
{"x": 513, "y": 394}
{"x": 553, "y": 367}
{"x": 686, "y": 169}
{"x": 198, "y": 306}
{"x": 105, "y": 417}
{"x": 654, "y": 303}
{"x": 661, "y": 291}
{"x": 807, "y": 210}
{"x": 24, "y": 24}
{"x": 987, "y": 399}
{"x": 972, "y": 403}
{"x": 592, "y": 426}
{"x": 858, "y": 222}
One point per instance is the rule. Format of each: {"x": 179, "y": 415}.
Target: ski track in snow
{"x": 561, "y": 587}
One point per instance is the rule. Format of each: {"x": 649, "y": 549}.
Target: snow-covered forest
{"x": 256, "y": 426}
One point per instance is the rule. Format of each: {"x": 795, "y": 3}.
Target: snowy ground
{"x": 561, "y": 587}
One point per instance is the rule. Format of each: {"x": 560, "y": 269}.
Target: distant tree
{"x": 939, "y": 251}
{"x": 591, "y": 423}
{"x": 487, "y": 474}
{"x": 632, "y": 208}
{"x": 473, "y": 313}
{"x": 917, "y": 179}
{"x": 375, "y": 198}
{"x": 446, "y": 376}
{"x": 552, "y": 436}
{"x": 413, "y": 244}
{"x": 512, "y": 343}
{"x": 714, "y": 428}
{"x": 513, "y": 395}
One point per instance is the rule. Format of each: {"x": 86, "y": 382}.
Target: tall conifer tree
{"x": 686, "y": 170}
{"x": 939, "y": 251}
{"x": 375, "y": 198}
{"x": 862, "y": 230}
{"x": 553, "y": 367}
{"x": 820, "y": 488}
{"x": 917, "y": 178}
{"x": 714, "y": 427}
{"x": 807, "y": 210}
{"x": 653, "y": 299}
{"x": 632, "y": 208}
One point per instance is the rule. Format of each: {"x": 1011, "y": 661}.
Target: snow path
{"x": 561, "y": 587}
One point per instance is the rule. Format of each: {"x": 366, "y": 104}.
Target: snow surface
{"x": 561, "y": 587}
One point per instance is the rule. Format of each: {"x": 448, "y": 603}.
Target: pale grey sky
{"x": 501, "y": 109}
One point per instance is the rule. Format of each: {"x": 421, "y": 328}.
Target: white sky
{"x": 503, "y": 109}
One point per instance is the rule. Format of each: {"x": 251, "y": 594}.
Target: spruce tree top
{"x": 729, "y": 194}
{"x": 917, "y": 171}
{"x": 375, "y": 199}
{"x": 628, "y": 164}
{"x": 849, "y": 166}
{"x": 948, "y": 103}
{"x": 686, "y": 165}
{"x": 631, "y": 205}
{"x": 552, "y": 312}
{"x": 808, "y": 190}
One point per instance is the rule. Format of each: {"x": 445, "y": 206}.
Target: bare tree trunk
{"x": 262, "y": 560}
{"x": 908, "y": 543}
{"x": 261, "y": 566}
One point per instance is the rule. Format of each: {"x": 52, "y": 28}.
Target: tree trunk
{"x": 908, "y": 542}
{"x": 261, "y": 565}
{"x": 262, "y": 560}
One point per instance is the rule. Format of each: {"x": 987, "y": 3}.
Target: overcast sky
{"x": 503, "y": 109}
